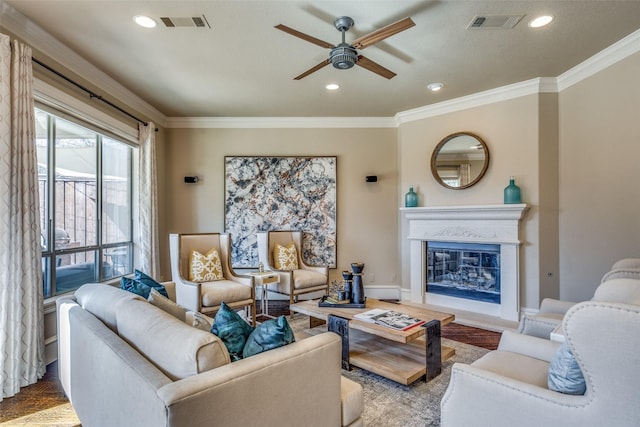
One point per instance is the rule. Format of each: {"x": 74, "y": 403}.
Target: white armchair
{"x": 303, "y": 280}
{"x": 508, "y": 386}
{"x": 551, "y": 311}
{"x": 235, "y": 290}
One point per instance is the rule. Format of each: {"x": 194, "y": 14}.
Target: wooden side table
{"x": 263, "y": 279}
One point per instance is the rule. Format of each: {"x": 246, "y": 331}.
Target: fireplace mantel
{"x": 496, "y": 224}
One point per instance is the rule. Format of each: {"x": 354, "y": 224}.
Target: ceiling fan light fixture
{"x": 434, "y": 87}
{"x": 343, "y": 56}
{"x": 145, "y": 21}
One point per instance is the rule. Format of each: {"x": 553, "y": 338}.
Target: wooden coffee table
{"x": 401, "y": 356}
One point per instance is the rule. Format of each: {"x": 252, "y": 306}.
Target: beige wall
{"x": 367, "y": 212}
{"x": 511, "y": 132}
{"x": 599, "y": 176}
{"x": 549, "y": 264}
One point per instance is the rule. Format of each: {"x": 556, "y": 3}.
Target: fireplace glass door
{"x": 464, "y": 270}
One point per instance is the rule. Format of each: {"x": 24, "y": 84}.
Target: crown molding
{"x": 605, "y": 58}
{"x": 40, "y": 40}
{"x": 280, "y": 122}
{"x": 503, "y": 93}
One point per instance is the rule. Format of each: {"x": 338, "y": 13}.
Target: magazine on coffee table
{"x": 389, "y": 318}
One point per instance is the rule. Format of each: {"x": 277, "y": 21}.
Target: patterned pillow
{"x": 271, "y": 334}
{"x": 141, "y": 287}
{"x": 139, "y": 276}
{"x": 205, "y": 268}
{"x": 232, "y": 330}
{"x": 285, "y": 258}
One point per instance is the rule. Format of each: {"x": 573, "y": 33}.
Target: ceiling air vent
{"x": 194, "y": 22}
{"x": 494, "y": 22}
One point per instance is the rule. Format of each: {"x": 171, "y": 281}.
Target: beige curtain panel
{"x": 21, "y": 309}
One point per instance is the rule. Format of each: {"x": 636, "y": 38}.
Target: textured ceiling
{"x": 243, "y": 67}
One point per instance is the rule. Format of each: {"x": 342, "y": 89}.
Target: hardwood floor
{"x": 47, "y": 393}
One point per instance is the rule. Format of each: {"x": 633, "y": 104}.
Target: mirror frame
{"x": 448, "y": 138}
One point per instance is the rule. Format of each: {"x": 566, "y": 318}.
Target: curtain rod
{"x": 91, "y": 93}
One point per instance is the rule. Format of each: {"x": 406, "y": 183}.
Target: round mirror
{"x": 460, "y": 160}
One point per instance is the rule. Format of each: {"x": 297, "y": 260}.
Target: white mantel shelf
{"x": 506, "y": 211}
{"x": 492, "y": 224}
{"x": 468, "y": 223}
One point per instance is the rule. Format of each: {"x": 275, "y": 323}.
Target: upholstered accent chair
{"x": 206, "y": 295}
{"x": 295, "y": 281}
{"x": 509, "y": 386}
{"x": 552, "y": 311}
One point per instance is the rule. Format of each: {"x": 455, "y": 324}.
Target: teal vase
{"x": 411, "y": 198}
{"x": 512, "y": 192}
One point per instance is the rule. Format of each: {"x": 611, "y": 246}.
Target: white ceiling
{"x": 243, "y": 67}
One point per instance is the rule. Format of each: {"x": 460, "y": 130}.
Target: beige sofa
{"x": 124, "y": 362}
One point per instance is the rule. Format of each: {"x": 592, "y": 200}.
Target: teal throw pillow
{"x": 232, "y": 330}
{"x": 565, "y": 375}
{"x": 149, "y": 281}
{"x": 141, "y": 284}
{"x": 132, "y": 285}
{"x": 271, "y": 334}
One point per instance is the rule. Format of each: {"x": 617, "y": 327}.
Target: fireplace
{"x": 464, "y": 270}
{"x": 477, "y": 248}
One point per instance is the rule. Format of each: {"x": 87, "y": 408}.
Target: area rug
{"x": 389, "y": 404}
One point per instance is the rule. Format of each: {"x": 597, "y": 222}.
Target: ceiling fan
{"x": 344, "y": 55}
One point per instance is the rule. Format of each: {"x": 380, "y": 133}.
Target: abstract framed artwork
{"x": 281, "y": 193}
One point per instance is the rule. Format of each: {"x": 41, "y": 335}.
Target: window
{"x": 85, "y": 181}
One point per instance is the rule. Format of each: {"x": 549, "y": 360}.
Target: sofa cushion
{"x": 232, "y": 330}
{"x": 270, "y": 334}
{"x": 102, "y": 301}
{"x": 165, "y": 304}
{"x": 285, "y": 257}
{"x": 177, "y": 349}
{"x": 565, "y": 375}
{"x": 205, "y": 268}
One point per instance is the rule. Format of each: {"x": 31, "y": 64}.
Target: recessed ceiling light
{"x": 145, "y": 21}
{"x": 332, "y": 86}
{"x": 540, "y": 21}
{"x": 434, "y": 87}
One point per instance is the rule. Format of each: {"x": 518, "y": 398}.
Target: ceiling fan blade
{"x": 312, "y": 70}
{"x": 304, "y": 36}
{"x": 375, "y": 67}
{"x": 382, "y": 33}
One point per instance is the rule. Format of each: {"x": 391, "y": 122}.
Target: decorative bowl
{"x": 357, "y": 267}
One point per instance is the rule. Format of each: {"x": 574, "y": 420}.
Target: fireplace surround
{"x": 473, "y": 224}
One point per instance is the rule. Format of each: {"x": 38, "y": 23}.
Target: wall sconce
{"x": 371, "y": 178}
{"x": 191, "y": 179}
